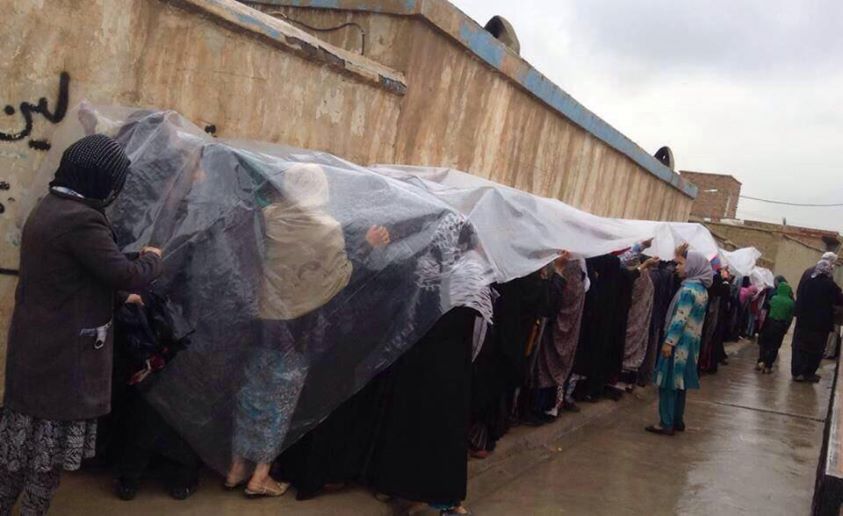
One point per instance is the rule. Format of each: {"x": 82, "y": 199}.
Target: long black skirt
{"x": 405, "y": 433}
{"x": 421, "y": 451}
{"x": 337, "y": 451}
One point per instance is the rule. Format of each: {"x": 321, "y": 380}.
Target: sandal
{"x": 274, "y": 490}
{"x": 457, "y": 510}
{"x": 231, "y": 487}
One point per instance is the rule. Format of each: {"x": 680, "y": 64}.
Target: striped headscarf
{"x": 95, "y": 167}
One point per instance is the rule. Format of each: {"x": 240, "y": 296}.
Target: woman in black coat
{"x": 59, "y": 359}
{"x": 814, "y": 321}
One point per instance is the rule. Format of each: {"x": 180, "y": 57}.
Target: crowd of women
{"x": 337, "y": 354}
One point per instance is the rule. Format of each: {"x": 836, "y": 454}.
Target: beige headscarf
{"x": 305, "y": 264}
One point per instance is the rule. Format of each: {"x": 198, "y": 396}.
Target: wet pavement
{"x": 751, "y": 447}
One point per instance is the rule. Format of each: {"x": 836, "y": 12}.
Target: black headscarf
{"x": 95, "y": 167}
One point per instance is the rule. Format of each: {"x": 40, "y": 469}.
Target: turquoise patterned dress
{"x": 679, "y": 372}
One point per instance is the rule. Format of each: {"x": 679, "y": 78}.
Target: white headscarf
{"x": 305, "y": 264}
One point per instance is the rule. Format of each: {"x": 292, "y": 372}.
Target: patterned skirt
{"x": 40, "y": 445}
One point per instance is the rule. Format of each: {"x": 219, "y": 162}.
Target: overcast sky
{"x": 752, "y": 88}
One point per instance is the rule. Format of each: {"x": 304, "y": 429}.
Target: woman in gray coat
{"x": 59, "y": 353}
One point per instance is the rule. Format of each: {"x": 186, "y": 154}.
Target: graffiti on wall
{"x": 26, "y": 111}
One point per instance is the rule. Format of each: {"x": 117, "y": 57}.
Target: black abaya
{"x": 405, "y": 433}
{"x": 664, "y": 287}
{"x": 421, "y": 448}
{"x": 596, "y": 357}
{"x": 522, "y": 303}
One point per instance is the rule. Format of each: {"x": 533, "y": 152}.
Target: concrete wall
{"x": 162, "y": 54}
{"x": 250, "y": 75}
{"x": 473, "y": 104}
{"x": 742, "y": 236}
{"x": 793, "y": 257}
{"x": 781, "y": 253}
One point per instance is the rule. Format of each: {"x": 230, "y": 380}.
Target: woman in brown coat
{"x": 58, "y": 369}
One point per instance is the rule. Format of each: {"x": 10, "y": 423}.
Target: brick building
{"x": 718, "y": 195}
{"x": 786, "y": 250}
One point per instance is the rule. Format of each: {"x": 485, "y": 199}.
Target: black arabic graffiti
{"x": 27, "y": 109}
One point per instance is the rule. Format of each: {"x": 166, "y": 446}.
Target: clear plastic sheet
{"x": 279, "y": 259}
{"x": 305, "y": 275}
{"x": 520, "y": 232}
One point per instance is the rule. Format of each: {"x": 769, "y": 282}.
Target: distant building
{"x": 718, "y": 195}
{"x": 786, "y": 250}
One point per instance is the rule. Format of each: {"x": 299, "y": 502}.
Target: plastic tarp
{"x": 521, "y": 232}
{"x": 761, "y": 277}
{"x": 741, "y": 261}
{"x": 277, "y": 257}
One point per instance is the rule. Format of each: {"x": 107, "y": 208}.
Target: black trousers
{"x": 805, "y": 363}
{"x": 772, "y": 336}
{"x": 808, "y": 347}
{"x": 147, "y": 436}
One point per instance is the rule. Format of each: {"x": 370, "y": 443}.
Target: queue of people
{"x": 349, "y": 349}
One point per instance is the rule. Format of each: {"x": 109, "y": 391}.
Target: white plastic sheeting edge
{"x": 741, "y": 261}
{"x": 522, "y": 232}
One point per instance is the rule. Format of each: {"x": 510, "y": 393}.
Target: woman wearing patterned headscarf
{"x": 815, "y": 302}
{"x": 676, "y": 369}
{"x": 58, "y": 368}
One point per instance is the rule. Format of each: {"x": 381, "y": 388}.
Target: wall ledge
{"x": 286, "y": 37}
{"x": 447, "y": 18}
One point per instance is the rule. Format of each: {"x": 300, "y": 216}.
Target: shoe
{"x": 658, "y": 430}
{"x": 799, "y": 379}
{"x": 759, "y": 366}
{"x": 457, "y": 510}
{"x": 679, "y": 427}
{"x": 570, "y": 407}
{"x": 533, "y": 420}
{"x": 767, "y": 370}
{"x": 126, "y": 490}
{"x": 814, "y": 378}
{"x": 182, "y": 492}
{"x": 613, "y": 394}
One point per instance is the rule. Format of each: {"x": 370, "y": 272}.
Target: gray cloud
{"x": 750, "y": 88}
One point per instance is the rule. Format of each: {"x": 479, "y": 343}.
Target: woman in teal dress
{"x": 676, "y": 370}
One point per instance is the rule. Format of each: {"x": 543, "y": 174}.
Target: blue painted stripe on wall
{"x": 493, "y": 52}
{"x": 373, "y": 6}
{"x": 549, "y": 92}
{"x": 482, "y": 43}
